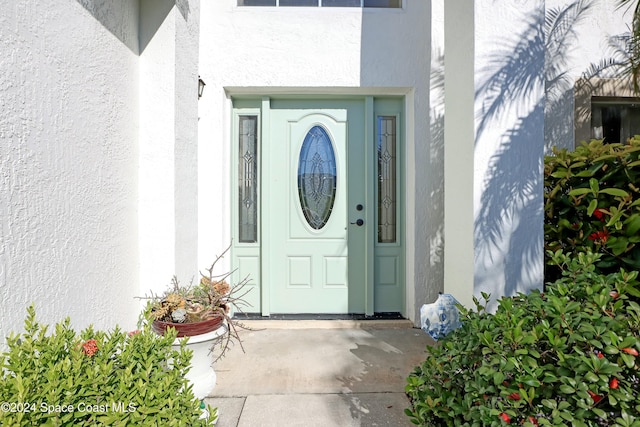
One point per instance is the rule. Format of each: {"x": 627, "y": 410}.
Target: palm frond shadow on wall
{"x": 509, "y": 221}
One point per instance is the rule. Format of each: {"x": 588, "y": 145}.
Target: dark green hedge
{"x": 592, "y": 203}
{"x": 569, "y": 356}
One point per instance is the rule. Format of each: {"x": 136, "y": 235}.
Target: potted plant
{"x": 201, "y": 313}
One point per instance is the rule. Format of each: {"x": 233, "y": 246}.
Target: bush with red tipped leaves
{"x": 592, "y": 203}
{"x": 568, "y": 356}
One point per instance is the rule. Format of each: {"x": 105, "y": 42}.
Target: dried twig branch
{"x": 210, "y": 297}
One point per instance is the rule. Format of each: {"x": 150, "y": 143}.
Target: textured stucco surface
{"x": 570, "y": 56}
{"x": 332, "y": 51}
{"x": 509, "y": 112}
{"x": 156, "y": 211}
{"x": 113, "y": 176}
{"x": 68, "y": 162}
{"x": 435, "y": 280}
{"x": 525, "y": 70}
{"x": 458, "y": 134}
{"x": 168, "y": 213}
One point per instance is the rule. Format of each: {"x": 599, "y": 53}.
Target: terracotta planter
{"x": 189, "y": 329}
{"x": 201, "y": 335}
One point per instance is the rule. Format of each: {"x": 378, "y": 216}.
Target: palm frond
{"x": 560, "y": 24}
{"x": 605, "y": 68}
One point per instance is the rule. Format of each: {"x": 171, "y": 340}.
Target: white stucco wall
{"x": 168, "y": 213}
{"x": 572, "y": 55}
{"x": 186, "y": 146}
{"x": 114, "y": 177}
{"x": 68, "y": 161}
{"x": 524, "y": 76}
{"x": 437, "y": 152}
{"x": 310, "y": 51}
{"x": 509, "y": 112}
{"x": 458, "y": 141}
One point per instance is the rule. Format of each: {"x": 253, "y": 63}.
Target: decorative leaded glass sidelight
{"x": 317, "y": 177}
{"x": 387, "y": 182}
{"x": 248, "y": 179}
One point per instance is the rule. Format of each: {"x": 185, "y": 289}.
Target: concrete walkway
{"x": 318, "y": 373}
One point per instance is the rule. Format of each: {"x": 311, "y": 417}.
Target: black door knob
{"x": 358, "y": 222}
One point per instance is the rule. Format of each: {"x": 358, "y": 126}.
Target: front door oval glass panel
{"x": 317, "y": 177}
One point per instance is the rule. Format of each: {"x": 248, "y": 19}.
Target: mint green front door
{"x": 306, "y": 192}
{"x": 318, "y": 205}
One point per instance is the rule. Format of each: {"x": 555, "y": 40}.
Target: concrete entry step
{"x": 331, "y": 373}
{"x": 310, "y": 410}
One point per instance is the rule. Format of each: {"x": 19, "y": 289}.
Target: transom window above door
{"x": 323, "y": 3}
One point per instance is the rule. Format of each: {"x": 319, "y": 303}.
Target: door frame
{"x": 251, "y": 257}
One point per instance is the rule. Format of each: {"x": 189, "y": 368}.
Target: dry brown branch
{"x": 210, "y": 297}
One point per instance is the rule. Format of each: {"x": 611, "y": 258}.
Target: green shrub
{"x": 568, "y": 356}
{"x": 592, "y": 203}
{"x": 95, "y": 378}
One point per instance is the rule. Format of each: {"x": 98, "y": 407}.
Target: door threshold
{"x": 323, "y": 321}
{"x": 319, "y": 316}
